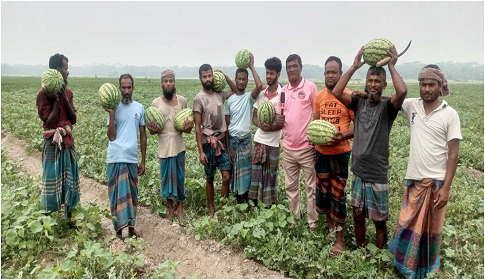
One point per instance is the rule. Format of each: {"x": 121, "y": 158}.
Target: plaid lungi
{"x": 60, "y": 177}
{"x": 371, "y": 199}
{"x": 264, "y": 174}
{"x": 172, "y": 177}
{"x": 241, "y": 168}
{"x": 123, "y": 193}
{"x": 416, "y": 241}
{"x": 332, "y": 172}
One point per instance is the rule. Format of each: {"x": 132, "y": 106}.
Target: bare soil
{"x": 164, "y": 240}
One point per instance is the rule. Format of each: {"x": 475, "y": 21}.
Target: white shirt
{"x": 430, "y": 134}
{"x": 269, "y": 138}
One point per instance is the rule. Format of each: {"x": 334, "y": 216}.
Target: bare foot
{"x": 170, "y": 215}
{"x": 134, "y": 232}
{"x": 119, "y": 234}
{"x": 180, "y": 213}
{"x": 211, "y": 215}
{"x": 337, "y": 249}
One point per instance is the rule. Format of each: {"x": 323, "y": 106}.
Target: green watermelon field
{"x": 269, "y": 236}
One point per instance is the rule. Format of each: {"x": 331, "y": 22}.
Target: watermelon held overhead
{"x": 181, "y": 116}
{"x": 376, "y": 50}
{"x": 218, "y": 82}
{"x": 154, "y": 117}
{"x": 52, "y": 81}
{"x": 319, "y": 132}
{"x": 266, "y": 112}
{"x": 109, "y": 95}
{"x": 243, "y": 59}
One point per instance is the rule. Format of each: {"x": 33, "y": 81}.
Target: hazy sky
{"x": 192, "y": 33}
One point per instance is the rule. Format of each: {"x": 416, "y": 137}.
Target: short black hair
{"x": 273, "y": 63}
{"x": 334, "y": 58}
{"x": 242, "y": 70}
{"x": 377, "y": 71}
{"x": 204, "y": 67}
{"x": 432, "y": 66}
{"x": 56, "y": 61}
{"x": 127, "y": 76}
{"x": 292, "y": 57}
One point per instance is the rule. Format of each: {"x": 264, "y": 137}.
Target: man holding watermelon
{"x": 171, "y": 147}
{"x": 60, "y": 176}
{"x": 238, "y": 118}
{"x": 211, "y": 133}
{"x": 332, "y": 160}
{"x": 266, "y": 158}
{"x": 374, "y": 117}
{"x": 299, "y": 153}
{"x": 123, "y": 123}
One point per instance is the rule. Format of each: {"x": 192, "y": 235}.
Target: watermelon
{"x": 320, "y": 131}
{"x": 266, "y": 112}
{"x": 376, "y": 50}
{"x": 181, "y": 116}
{"x": 109, "y": 95}
{"x": 52, "y": 81}
{"x": 219, "y": 82}
{"x": 153, "y": 116}
{"x": 243, "y": 59}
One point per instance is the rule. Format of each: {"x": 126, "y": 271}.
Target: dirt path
{"x": 164, "y": 240}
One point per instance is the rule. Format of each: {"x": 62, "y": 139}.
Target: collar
{"x": 443, "y": 104}
{"x": 277, "y": 92}
{"x": 300, "y": 85}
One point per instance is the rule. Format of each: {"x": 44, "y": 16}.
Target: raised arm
{"x": 338, "y": 90}
{"x": 259, "y": 86}
{"x": 111, "y": 125}
{"x": 401, "y": 91}
{"x": 71, "y": 115}
{"x": 231, "y": 84}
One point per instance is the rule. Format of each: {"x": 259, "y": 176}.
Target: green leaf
{"x": 372, "y": 248}
{"x": 66, "y": 265}
{"x": 282, "y": 223}
{"x": 243, "y": 206}
{"x": 71, "y": 254}
{"x": 290, "y": 220}
{"x": 11, "y": 238}
{"x": 36, "y": 227}
{"x": 21, "y": 232}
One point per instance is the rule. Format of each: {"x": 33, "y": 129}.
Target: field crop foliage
{"x": 270, "y": 235}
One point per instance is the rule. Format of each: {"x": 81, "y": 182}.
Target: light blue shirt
{"x": 128, "y": 119}
{"x": 240, "y": 107}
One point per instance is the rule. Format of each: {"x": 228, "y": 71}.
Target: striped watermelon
{"x": 266, "y": 112}
{"x": 219, "y": 82}
{"x": 155, "y": 117}
{"x": 243, "y": 59}
{"x": 320, "y": 131}
{"x": 109, "y": 95}
{"x": 52, "y": 81}
{"x": 376, "y": 50}
{"x": 181, "y": 116}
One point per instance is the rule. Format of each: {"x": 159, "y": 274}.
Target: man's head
{"x": 333, "y": 71}
{"x": 293, "y": 67}
{"x": 205, "y": 76}
{"x": 273, "y": 70}
{"x": 432, "y": 83}
{"x": 126, "y": 87}
{"x": 168, "y": 84}
{"x": 60, "y": 62}
{"x": 241, "y": 79}
{"x": 375, "y": 83}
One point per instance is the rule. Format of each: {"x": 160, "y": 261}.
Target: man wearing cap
{"x": 433, "y": 157}
{"x": 171, "y": 147}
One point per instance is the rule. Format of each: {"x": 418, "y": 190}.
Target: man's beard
{"x": 271, "y": 82}
{"x": 330, "y": 86}
{"x": 168, "y": 94}
{"x": 126, "y": 99}
{"x": 207, "y": 85}
{"x": 65, "y": 82}
{"x": 373, "y": 96}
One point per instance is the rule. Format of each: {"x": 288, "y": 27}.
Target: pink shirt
{"x": 298, "y": 114}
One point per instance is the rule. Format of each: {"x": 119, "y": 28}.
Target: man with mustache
{"x": 238, "y": 119}
{"x": 298, "y": 151}
{"x": 374, "y": 117}
{"x": 211, "y": 132}
{"x": 433, "y": 158}
{"x": 171, "y": 147}
{"x": 266, "y": 158}
{"x": 60, "y": 176}
{"x": 123, "y": 168}
{"x": 332, "y": 161}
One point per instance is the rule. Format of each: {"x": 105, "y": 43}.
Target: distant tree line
{"x": 460, "y": 71}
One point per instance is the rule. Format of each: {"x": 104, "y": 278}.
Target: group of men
{"x": 223, "y": 133}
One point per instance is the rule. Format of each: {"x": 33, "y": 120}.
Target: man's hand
{"x": 251, "y": 62}
{"x": 280, "y": 119}
{"x": 203, "y": 159}
{"x": 393, "y": 55}
{"x": 188, "y": 125}
{"x": 219, "y": 70}
{"x": 441, "y": 199}
{"x": 334, "y": 140}
{"x": 264, "y": 126}
{"x": 141, "y": 168}
{"x": 358, "y": 59}
{"x": 360, "y": 94}
{"x": 152, "y": 128}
